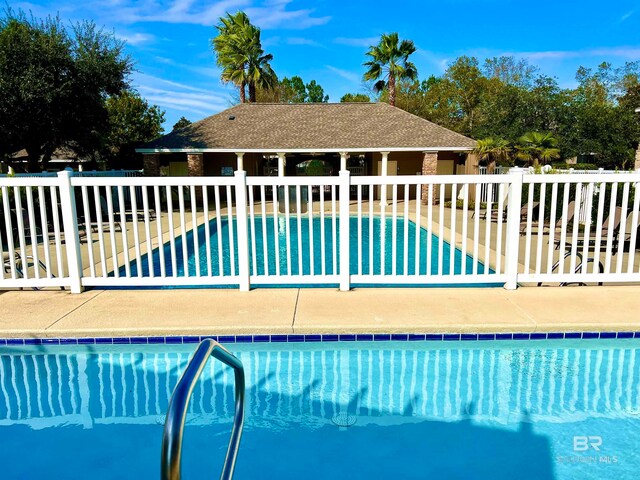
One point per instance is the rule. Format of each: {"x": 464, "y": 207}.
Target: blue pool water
{"x": 311, "y": 258}
{"x": 457, "y": 410}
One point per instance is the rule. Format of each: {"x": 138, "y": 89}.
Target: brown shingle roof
{"x": 312, "y": 126}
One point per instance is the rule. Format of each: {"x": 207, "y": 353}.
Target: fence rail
{"x": 77, "y": 232}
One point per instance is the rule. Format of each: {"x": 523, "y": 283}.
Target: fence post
{"x": 512, "y": 250}
{"x": 345, "y": 188}
{"x": 71, "y": 236}
{"x": 242, "y": 224}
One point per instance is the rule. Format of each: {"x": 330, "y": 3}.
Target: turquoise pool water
{"x": 481, "y": 410}
{"x": 311, "y": 252}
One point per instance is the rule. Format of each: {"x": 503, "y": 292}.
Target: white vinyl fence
{"x": 343, "y": 230}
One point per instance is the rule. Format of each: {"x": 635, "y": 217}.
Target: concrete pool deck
{"x": 113, "y": 313}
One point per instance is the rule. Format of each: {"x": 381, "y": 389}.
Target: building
{"x": 315, "y": 138}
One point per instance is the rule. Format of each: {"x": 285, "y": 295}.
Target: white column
{"x": 384, "y": 173}
{"x": 385, "y": 169}
{"x": 240, "y": 166}
{"x": 281, "y": 163}
{"x": 343, "y": 161}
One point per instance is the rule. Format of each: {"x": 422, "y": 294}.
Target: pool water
{"x": 481, "y": 410}
{"x": 313, "y": 256}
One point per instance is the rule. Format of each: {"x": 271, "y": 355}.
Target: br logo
{"x": 583, "y": 443}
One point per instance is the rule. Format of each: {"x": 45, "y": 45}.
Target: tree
{"x": 390, "y": 63}
{"x": 293, "y": 90}
{"x": 492, "y": 150}
{"x": 510, "y": 71}
{"x": 240, "y": 55}
{"x": 131, "y": 121}
{"x": 53, "y": 83}
{"x": 355, "y": 98}
{"x": 182, "y": 123}
{"x": 537, "y": 147}
{"x": 315, "y": 93}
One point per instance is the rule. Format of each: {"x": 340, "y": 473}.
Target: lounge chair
{"x": 495, "y": 214}
{"x": 21, "y": 264}
{"x": 94, "y": 225}
{"x": 611, "y": 226}
{"x": 547, "y": 228}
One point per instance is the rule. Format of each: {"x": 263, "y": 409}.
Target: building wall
{"x": 410, "y": 163}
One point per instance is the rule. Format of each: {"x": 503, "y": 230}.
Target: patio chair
{"x": 611, "y": 226}
{"x": 535, "y": 213}
{"x": 104, "y": 220}
{"x": 571, "y": 211}
{"x": 128, "y": 211}
{"x": 21, "y": 264}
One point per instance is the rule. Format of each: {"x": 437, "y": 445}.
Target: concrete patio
{"x": 57, "y": 314}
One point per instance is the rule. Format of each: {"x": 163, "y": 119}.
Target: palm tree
{"x": 240, "y": 55}
{"x": 390, "y": 63}
{"x": 537, "y": 147}
{"x": 491, "y": 150}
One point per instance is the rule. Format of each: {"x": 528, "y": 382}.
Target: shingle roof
{"x": 312, "y": 126}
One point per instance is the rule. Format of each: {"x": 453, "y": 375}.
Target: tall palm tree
{"x": 537, "y": 147}
{"x": 491, "y": 150}
{"x": 240, "y": 55}
{"x": 389, "y": 63}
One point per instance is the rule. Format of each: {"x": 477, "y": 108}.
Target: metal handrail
{"x": 177, "y": 412}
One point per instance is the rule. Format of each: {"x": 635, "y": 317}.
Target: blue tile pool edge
{"x": 315, "y": 337}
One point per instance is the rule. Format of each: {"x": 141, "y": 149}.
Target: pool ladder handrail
{"x": 176, "y": 414}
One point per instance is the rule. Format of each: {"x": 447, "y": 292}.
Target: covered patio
{"x": 311, "y": 139}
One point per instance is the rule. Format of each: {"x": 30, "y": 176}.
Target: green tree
{"x": 355, "y": 98}
{"x": 510, "y": 71}
{"x": 53, "y": 83}
{"x": 315, "y": 93}
{"x": 537, "y": 147}
{"x": 182, "y": 123}
{"x": 390, "y": 63}
{"x": 492, "y": 150}
{"x": 293, "y": 90}
{"x": 240, "y": 55}
{"x": 131, "y": 121}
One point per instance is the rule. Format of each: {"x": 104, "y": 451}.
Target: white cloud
{"x": 277, "y": 16}
{"x": 303, "y": 41}
{"x": 267, "y": 15}
{"x": 626, "y": 16}
{"x": 202, "y": 103}
{"x": 146, "y": 79}
{"x": 347, "y": 75}
{"x": 136, "y": 38}
{"x": 439, "y": 61}
{"x": 629, "y": 53}
{"x": 357, "y": 42}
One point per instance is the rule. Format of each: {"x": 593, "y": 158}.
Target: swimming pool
{"x": 286, "y": 250}
{"x": 484, "y": 410}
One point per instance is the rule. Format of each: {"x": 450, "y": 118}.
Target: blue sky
{"x": 326, "y": 40}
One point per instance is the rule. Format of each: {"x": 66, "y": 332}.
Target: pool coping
{"x": 277, "y": 312}
{"x": 324, "y": 338}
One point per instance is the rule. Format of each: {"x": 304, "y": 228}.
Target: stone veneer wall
{"x": 151, "y": 164}
{"x": 429, "y": 167}
{"x": 195, "y": 165}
